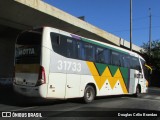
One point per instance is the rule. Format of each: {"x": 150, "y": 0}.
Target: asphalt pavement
{"x": 110, "y": 107}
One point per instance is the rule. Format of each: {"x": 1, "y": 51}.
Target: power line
{"x": 140, "y": 18}
{"x": 156, "y": 16}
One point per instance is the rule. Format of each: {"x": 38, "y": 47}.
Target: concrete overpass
{"x": 17, "y": 15}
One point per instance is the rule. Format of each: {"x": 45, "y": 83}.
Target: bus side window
{"x": 58, "y": 42}
{"x": 89, "y": 52}
{"x": 107, "y": 56}
{"x": 135, "y": 63}
{"x": 83, "y": 53}
{"x": 79, "y": 49}
{"x": 116, "y": 58}
{"x": 55, "y": 38}
{"x": 126, "y": 61}
{"x": 100, "y": 58}
{"x": 71, "y": 48}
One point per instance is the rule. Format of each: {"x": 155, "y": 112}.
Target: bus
{"x": 54, "y": 64}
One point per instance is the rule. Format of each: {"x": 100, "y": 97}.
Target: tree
{"x": 153, "y": 59}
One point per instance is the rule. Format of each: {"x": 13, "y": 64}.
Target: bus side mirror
{"x": 149, "y": 69}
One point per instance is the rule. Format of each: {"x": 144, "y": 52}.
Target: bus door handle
{"x": 69, "y": 86}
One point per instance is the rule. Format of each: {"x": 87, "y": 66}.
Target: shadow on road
{"x": 9, "y": 97}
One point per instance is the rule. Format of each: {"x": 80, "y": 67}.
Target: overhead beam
{"x": 24, "y": 14}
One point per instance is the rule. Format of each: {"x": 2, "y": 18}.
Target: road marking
{"x": 158, "y": 98}
{"x": 148, "y": 96}
{"x": 74, "y": 108}
{"x": 23, "y": 108}
{"x": 63, "y": 111}
{"x": 151, "y": 99}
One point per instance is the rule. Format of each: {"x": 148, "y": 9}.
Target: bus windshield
{"x": 147, "y": 71}
{"x": 28, "y": 48}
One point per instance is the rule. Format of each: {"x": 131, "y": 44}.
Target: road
{"x": 112, "y": 106}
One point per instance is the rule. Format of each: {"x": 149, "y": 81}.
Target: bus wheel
{"x": 89, "y": 94}
{"x": 138, "y": 91}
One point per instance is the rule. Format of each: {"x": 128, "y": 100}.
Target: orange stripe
{"x": 27, "y": 68}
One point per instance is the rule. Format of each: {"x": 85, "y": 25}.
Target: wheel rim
{"x": 137, "y": 90}
{"x": 89, "y": 94}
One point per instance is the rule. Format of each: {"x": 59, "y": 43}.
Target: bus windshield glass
{"x": 28, "y": 48}
{"x": 146, "y": 70}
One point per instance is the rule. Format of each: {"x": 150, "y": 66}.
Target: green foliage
{"x": 153, "y": 57}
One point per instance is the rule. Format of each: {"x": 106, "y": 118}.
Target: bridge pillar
{"x": 7, "y": 46}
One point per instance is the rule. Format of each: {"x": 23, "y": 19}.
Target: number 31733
{"x": 69, "y": 66}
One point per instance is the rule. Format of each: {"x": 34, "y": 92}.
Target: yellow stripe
{"x": 106, "y": 73}
{"x": 92, "y": 68}
{"x": 100, "y": 80}
{"x": 119, "y": 76}
{"x": 94, "y": 73}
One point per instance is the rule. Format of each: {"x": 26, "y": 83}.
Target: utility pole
{"x": 131, "y": 25}
{"x": 150, "y": 32}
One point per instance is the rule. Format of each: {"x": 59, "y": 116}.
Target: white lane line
{"x": 59, "y": 112}
{"x": 148, "y": 96}
{"x": 23, "y": 108}
{"x": 158, "y": 98}
{"x": 147, "y": 99}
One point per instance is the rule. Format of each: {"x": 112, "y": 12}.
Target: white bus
{"x": 54, "y": 64}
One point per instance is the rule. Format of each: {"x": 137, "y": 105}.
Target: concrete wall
{"x": 7, "y": 46}
{"x": 125, "y": 44}
{"x": 6, "y": 53}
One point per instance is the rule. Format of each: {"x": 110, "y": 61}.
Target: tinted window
{"x": 59, "y": 43}
{"x": 28, "y": 48}
{"x": 107, "y": 56}
{"x": 30, "y": 38}
{"x": 116, "y": 58}
{"x": 135, "y": 63}
{"x": 126, "y": 61}
{"x": 146, "y": 71}
{"x": 71, "y": 48}
{"x": 80, "y": 49}
{"x": 88, "y": 52}
{"x": 102, "y": 55}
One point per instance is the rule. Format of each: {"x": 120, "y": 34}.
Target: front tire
{"x": 138, "y": 91}
{"x": 89, "y": 94}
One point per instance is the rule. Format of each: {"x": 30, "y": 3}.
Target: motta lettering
{"x": 28, "y": 51}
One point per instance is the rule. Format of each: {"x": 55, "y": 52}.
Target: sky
{"x": 113, "y": 16}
